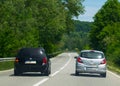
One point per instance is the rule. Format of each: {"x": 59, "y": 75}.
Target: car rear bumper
{"x": 85, "y": 69}
{"x": 31, "y": 68}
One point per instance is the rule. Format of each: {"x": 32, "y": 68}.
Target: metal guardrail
{"x": 7, "y": 59}
{"x": 12, "y": 58}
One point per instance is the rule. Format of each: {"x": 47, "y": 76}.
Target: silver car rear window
{"x": 92, "y": 55}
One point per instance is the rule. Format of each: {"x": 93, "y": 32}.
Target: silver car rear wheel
{"x": 103, "y": 74}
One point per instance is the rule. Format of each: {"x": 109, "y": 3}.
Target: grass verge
{"x": 113, "y": 68}
{"x": 6, "y": 65}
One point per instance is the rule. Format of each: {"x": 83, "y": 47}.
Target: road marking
{"x": 42, "y": 81}
{"x": 54, "y": 73}
{"x": 45, "y": 79}
{"x": 114, "y": 74}
{"x": 61, "y": 67}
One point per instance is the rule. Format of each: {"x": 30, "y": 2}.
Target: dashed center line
{"x": 45, "y": 79}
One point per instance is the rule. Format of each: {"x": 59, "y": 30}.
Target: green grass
{"x": 113, "y": 67}
{"x": 6, "y": 65}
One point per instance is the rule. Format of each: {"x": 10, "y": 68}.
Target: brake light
{"x": 16, "y": 60}
{"x": 79, "y": 60}
{"x": 44, "y": 60}
{"x": 103, "y": 61}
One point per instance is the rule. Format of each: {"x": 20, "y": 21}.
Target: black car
{"x": 32, "y": 60}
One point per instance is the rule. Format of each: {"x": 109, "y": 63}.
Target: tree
{"x": 73, "y": 9}
{"x": 51, "y": 23}
{"x": 105, "y": 34}
{"x": 34, "y": 23}
{"x": 112, "y": 42}
{"x": 16, "y": 27}
{"x": 107, "y": 15}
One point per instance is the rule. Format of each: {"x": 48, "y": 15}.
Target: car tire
{"x": 76, "y": 73}
{"x": 16, "y": 72}
{"x": 103, "y": 75}
{"x": 48, "y": 71}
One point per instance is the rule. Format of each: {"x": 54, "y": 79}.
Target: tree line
{"x": 35, "y": 23}
{"x": 105, "y": 32}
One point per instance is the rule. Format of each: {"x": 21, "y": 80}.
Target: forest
{"x": 105, "y": 32}
{"x": 50, "y": 24}
{"x": 35, "y": 23}
{"x": 79, "y": 38}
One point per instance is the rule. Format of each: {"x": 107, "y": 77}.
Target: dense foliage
{"x": 35, "y": 23}
{"x": 105, "y": 34}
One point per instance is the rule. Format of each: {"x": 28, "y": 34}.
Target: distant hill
{"x": 79, "y": 38}
{"x": 82, "y": 26}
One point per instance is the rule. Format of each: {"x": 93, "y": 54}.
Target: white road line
{"x": 114, "y": 74}
{"x": 54, "y": 73}
{"x": 45, "y": 79}
{"x": 61, "y": 67}
{"x": 42, "y": 81}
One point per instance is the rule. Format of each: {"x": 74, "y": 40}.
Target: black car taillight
{"x": 79, "y": 60}
{"x": 44, "y": 61}
{"x": 16, "y": 60}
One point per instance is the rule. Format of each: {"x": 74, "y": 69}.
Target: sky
{"x": 91, "y": 8}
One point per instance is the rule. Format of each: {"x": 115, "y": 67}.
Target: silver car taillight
{"x": 103, "y": 61}
{"x": 79, "y": 60}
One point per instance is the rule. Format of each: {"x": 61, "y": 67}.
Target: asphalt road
{"x": 63, "y": 74}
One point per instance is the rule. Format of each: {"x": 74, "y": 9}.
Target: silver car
{"x": 91, "y": 61}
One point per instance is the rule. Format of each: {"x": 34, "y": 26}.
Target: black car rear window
{"x": 31, "y": 52}
{"x": 92, "y": 55}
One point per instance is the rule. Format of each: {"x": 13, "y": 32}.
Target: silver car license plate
{"x": 91, "y": 69}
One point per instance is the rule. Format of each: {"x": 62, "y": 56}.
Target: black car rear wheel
{"x": 17, "y": 72}
{"x": 47, "y": 71}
